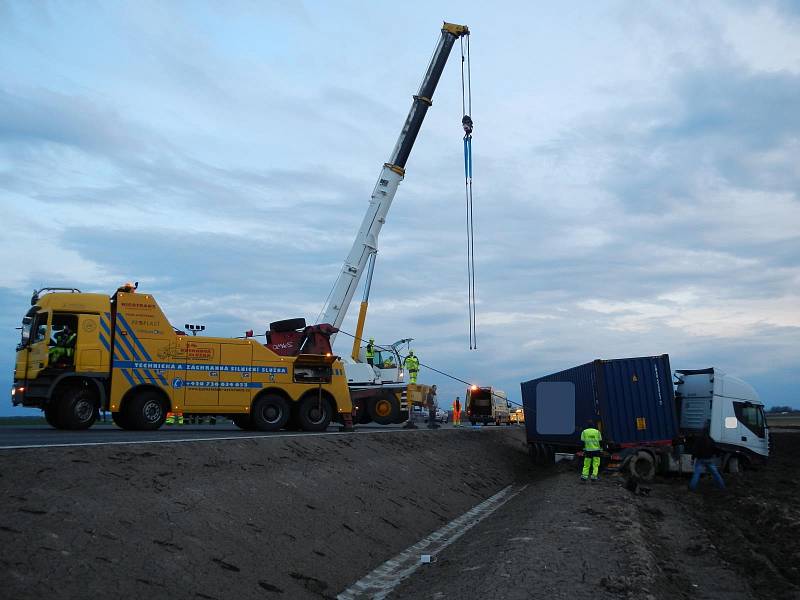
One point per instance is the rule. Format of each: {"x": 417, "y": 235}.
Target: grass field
{"x": 780, "y": 420}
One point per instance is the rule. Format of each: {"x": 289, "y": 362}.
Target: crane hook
{"x": 466, "y": 123}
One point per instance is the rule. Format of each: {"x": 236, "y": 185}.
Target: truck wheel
{"x": 385, "y": 410}
{"x": 243, "y": 422}
{"x": 536, "y": 453}
{"x": 145, "y": 411}
{"x": 287, "y": 325}
{"x": 270, "y": 413}
{"x": 76, "y": 409}
{"x": 313, "y": 414}
{"x": 642, "y": 466}
{"x": 120, "y": 420}
{"x": 362, "y": 418}
{"x": 51, "y": 415}
{"x": 734, "y": 466}
{"x": 548, "y": 455}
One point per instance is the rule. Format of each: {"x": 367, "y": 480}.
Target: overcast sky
{"x": 636, "y": 174}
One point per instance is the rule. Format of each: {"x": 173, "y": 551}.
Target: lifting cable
{"x": 466, "y": 123}
{"x": 435, "y": 370}
{"x": 390, "y": 349}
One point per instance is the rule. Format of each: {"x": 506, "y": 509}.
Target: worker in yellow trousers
{"x": 591, "y": 438}
{"x": 411, "y": 363}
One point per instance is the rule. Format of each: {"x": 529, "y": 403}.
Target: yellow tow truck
{"x": 81, "y": 353}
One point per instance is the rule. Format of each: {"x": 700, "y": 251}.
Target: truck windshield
{"x": 27, "y": 321}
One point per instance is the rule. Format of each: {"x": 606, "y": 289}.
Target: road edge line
{"x": 382, "y": 580}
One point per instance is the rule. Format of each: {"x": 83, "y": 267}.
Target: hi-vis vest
{"x": 591, "y": 439}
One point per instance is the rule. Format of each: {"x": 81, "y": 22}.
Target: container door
{"x": 236, "y": 385}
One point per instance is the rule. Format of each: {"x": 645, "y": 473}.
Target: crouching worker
{"x": 591, "y": 438}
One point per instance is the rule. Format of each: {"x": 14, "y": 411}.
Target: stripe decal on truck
{"x": 134, "y": 354}
{"x": 144, "y": 355}
{"x": 105, "y": 319}
{"x": 143, "y": 364}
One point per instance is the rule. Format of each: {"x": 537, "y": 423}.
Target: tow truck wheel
{"x": 314, "y": 414}
{"x": 51, "y": 415}
{"x": 145, "y": 411}
{"x": 120, "y": 420}
{"x": 270, "y": 413}
{"x": 385, "y": 410}
{"x": 243, "y": 422}
{"x": 76, "y": 409}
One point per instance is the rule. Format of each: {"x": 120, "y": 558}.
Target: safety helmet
{"x": 372, "y": 339}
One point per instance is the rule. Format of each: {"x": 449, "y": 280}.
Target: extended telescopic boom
{"x": 366, "y": 242}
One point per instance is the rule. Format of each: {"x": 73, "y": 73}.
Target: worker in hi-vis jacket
{"x": 371, "y": 351}
{"x": 411, "y": 363}
{"x": 591, "y": 438}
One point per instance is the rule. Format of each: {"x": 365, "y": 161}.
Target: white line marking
{"x": 380, "y": 582}
{"x": 266, "y": 436}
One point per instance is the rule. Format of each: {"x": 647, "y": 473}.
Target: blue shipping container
{"x": 632, "y": 398}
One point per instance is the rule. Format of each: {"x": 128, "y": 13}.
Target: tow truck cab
{"x": 36, "y": 372}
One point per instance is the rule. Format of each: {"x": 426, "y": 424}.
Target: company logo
{"x": 200, "y": 352}
{"x": 89, "y": 326}
{"x": 177, "y": 383}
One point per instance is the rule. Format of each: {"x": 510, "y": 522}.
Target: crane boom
{"x": 366, "y": 242}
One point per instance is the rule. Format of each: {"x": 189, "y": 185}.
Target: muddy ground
{"x": 562, "y": 538}
{"x": 306, "y": 517}
{"x": 756, "y": 522}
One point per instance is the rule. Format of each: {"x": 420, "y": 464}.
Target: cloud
{"x": 635, "y": 183}
{"x": 44, "y": 116}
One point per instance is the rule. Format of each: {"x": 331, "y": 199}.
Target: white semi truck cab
{"x": 729, "y": 407}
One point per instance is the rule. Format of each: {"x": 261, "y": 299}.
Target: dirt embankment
{"x": 756, "y": 522}
{"x": 267, "y": 518}
{"x": 562, "y": 539}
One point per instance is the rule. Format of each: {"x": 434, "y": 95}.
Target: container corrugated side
{"x": 637, "y": 401}
{"x": 632, "y": 397}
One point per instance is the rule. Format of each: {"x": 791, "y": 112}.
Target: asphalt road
{"x": 18, "y": 436}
